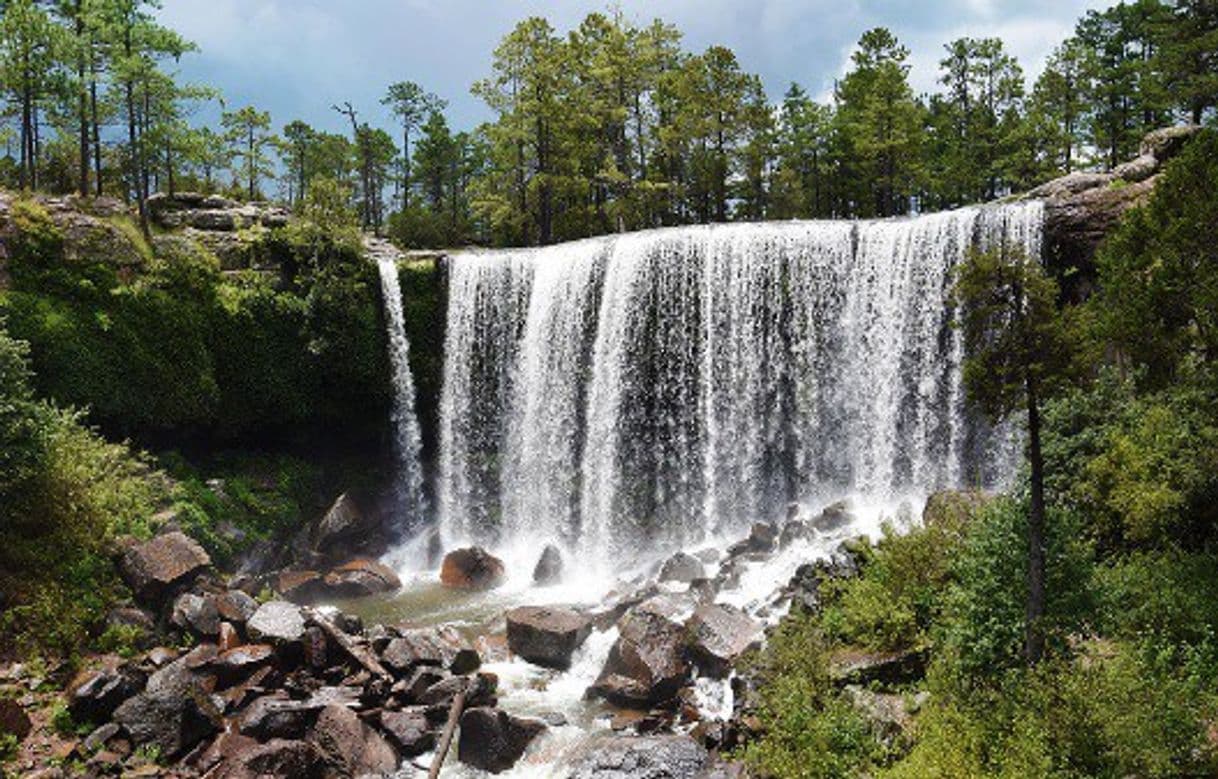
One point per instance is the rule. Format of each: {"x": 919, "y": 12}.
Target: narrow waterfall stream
{"x": 407, "y": 439}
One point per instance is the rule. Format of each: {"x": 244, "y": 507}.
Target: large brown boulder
{"x": 472, "y": 568}
{"x": 547, "y": 636}
{"x": 647, "y": 664}
{"x": 719, "y": 637}
{"x": 360, "y": 578}
{"x": 493, "y": 740}
{"x": 349, "y": 747}
{"x": 157, "y": 567}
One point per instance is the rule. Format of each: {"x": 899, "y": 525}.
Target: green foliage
{"x": 983, "y": 625}
{"x": 1158, "y": 271}
{"x": 32, "y": 238}
{"x": 1140, "y": 466}
{"x": 122, "y": 640}
{"x": 810, "y": 730}
{"x": 9, "y": 747}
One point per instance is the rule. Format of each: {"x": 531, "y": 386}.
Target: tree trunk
{"x": 83, "y": 99}
{"x": 97, "y": 150}
{"x": 1035, "y": 637}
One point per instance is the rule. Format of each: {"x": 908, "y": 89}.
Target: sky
{"x": 297, "y": 58}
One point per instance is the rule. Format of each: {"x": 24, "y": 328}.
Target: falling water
{"x": 406, "y": 436}
{"x": 647, "y": 390}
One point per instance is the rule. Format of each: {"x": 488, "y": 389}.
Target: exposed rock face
{"x": 473, "y": 568}
{"x": 682, "y": 567}
{"x": 156, "y": 567}
{"x": 653, "y": 757}
{"x": 174, "y": 712}
{"x": 343, "y": 533}
{"x": 349, "y": 747}
{"x": 494, "y": 740}
{"x": 549, "y": 566}
{"x": 833, "y": 517}
{"x": 719, "y": 635}
{"x": 440, "y": 647}
{"x": 1082, "y": 208}
{"x": 804, "y": 587}
{"x": 647, "y": 664}
{"x": 890, "y": 668}
{"x": 277, "y": 621}
{"x": 198, "y": 613}
{"x": 547, "y": 636}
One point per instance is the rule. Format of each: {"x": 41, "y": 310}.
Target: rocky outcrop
{"x": 549, "y": 566}
{"x": 1081, "y": 209}
{"x": 648, "y": 662}
{"x": 473, "y": 568}
{"x": 546, "y": 636}
{"x": 682, "y": 567}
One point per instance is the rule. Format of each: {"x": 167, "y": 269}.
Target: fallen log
{"x": 446, "y": 738}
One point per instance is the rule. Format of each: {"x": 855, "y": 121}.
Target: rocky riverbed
{"x": 493, "y": 666}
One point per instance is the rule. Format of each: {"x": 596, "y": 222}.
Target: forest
{"x": 152, "y": 382}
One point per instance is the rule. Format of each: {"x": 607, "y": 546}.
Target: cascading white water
{"x": 408, "y": 442}
{"x": 636, "y": 392}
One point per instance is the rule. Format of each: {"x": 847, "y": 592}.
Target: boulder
{"x": 549, "y": 566}
{"x": 94, "y": 695}
{"x": 683, "y": 568}
{"x": 834, "y": 517}
{"x": 547, "y": 636}
{"x": 302, "y": 587}
{"x": 239, "y": 662}
{"x": 234, "y": 756}
{"x": 343, "y": 526}
{"x": 953, "y": 509}
{"x": 647, "y": 664}
{"x": 13, "y": 719}
{"x": 236, "y": 606}
{"x": 792, "y": 531}
{"x": 277, "y": 716}
{"x": 349, "y": 747}
{"x": 154, "y": 568}
{"x": 1137, "y": 169}
{"x": 762, "y": 539}
{"x": 174, "y": 712}
{"x": 1166, "y": 142}
{"x": 719, "y": 636}
{"x": 851, "y": 666}
{"x": 277, "y": 621}
{"x": 197, "y": 613}
{"x": 480, "y": 690}
{"x": 360, "y": 578}
{"x": 420, "y": 680}
{"x": 443, "y": 647}
{"x": 805, "y": 585}
{"x": 890, "y": 715}
{"x": 651, "y": 757}
{"x": 410, "y": 730}
{"x": 493, "y": 740}
{"x": 472, "y": 568}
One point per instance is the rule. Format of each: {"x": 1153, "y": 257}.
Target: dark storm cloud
{"x": 297, "y": 57}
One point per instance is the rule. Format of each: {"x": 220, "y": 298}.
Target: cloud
{"x": 298, "y": 57}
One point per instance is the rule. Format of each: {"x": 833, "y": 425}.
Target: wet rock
{"x": 300, "y": 587}
{"x": 834, "y": 517}
{"x": 762, "y": 539}
{"x": 277, "y": 621}
{"x": 708, "y": 556}
{"x": 197, "y": 613}
{"x": 349, "y": 747}
{"x": 651, "y": 757}
{"x": 443, "y": 647}
{"x": 547, "y": 636}
{"x": 792, "y": 531}
{"x": 493, "y": 740}
{"x": 549, "y": 566}
{"x": 647, "y": 664}
{"x": 479, "y": 690}
{"x": 683, "y": 568}
{"x": 360, "y": 578}
{"x": 885, "y": 668}
{"x": 13, "y": 719}
{"x": 94, "y": 695}
{"x": 410, "y": 730}
{"x": 719, "y": 636}
{"x": 154, "y": 568}
{"x": 472, "y": 568}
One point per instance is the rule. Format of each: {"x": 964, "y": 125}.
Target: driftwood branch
{"x": 358, "y": 653}
{"x": 446, "y": 739}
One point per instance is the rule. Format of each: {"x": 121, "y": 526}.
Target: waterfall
{"x": 641, "y": 391}
{"x": 407, "y": 439}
